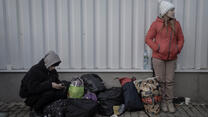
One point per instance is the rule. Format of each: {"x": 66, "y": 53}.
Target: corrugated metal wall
{"x": 95, "y": 34}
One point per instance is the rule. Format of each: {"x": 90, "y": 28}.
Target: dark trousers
{"x": 47, "y": 98}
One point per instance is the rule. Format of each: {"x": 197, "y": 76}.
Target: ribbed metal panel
{"x": 95, "y": 34}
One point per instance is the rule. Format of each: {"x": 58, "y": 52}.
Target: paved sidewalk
{"x": 18, "y": 109}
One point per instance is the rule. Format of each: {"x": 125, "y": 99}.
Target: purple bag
{"x": 90, "y": 96}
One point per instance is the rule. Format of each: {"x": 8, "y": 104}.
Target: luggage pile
{"x": 87, "y": 96}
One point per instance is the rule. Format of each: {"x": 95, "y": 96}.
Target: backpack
{"x": 109, "y": 98}
{"x": 150, "y": 92}
{"x": 93, "y": 83}
{"x": 132, "y": 98}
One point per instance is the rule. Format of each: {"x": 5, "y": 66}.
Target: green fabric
{"x": 75, "y": 92}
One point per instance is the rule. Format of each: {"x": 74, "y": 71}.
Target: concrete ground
{"x": 18, "y": 109}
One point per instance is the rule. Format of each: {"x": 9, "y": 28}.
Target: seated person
{"x": 41, "y": 86}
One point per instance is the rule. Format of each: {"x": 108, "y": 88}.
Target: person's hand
{"x": 57, "y": 86}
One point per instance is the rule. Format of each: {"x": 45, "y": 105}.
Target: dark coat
{"x": 36, "y": 82}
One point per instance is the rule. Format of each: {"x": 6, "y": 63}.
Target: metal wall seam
{"x": 121, "y": 33}
{"x": 109, "y": 34}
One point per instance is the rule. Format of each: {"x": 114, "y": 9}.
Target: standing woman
{"x": 165, "y": 38}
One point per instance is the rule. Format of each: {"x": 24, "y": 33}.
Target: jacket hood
{"x": 51, "y": 58}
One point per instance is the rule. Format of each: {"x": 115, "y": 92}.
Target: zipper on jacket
{"x": 169, "y": 44}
